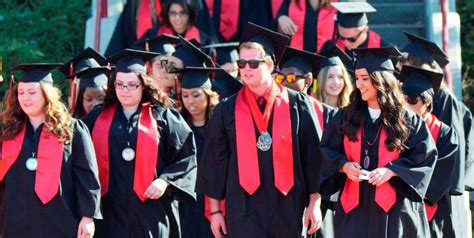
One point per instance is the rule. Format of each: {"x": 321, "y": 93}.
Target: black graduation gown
{"x": 22, "y": 212}
{"x": 407, "y": 217}
{"x": 266, "y": 213}
{"x": 454, "y": 114}
{"x": 124, "y": 213}
{"x": 193, "y": 222}
{"x": 258, "y": 12}
{"x": 438, "y": 190}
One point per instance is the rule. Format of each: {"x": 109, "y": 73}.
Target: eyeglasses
{"x": 253, "y": 64}
{"x": 411, "y": 100}
{"x": 290, "y": 78}
{"x": 177, "y": 14}
{"x": 350, "y": 39}
{"x": 129, "y": 87}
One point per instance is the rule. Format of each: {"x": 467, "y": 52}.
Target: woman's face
{"x": 334, "y": 81}
{"x": 31, "y": 99}
{"x": 92, "y": 97}
{"x": 195, "y": 101}
{"x": 179, "y": 19}
{"x": 364, "y": 84}
{"x": 129, "y": 89}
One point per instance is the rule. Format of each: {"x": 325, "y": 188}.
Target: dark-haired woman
{"x": 179, "y": 18}
{"x": 198, "y": 102}
{"x": 48, "y": 171}
{"x": 92, "y": 87}
{"x": 378, "y": 155}
{"x": 145, "y": 152}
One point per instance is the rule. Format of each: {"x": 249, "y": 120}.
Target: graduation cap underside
{"x": 416, "y": 80}
{"x": 352, "y": 14}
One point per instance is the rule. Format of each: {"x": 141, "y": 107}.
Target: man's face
{"x": 352, "y": 37}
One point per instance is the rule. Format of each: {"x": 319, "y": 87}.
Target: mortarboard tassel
{"x": 315, "y": 86}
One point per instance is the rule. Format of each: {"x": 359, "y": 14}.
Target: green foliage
{"x": 466, "y": 11}
{"x": 37, "y": 31}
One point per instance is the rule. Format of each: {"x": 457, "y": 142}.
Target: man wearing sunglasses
{"x": 352, "y": 27}
{"x": 262, "y": 151}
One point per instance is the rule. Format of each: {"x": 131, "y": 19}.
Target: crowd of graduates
{"x": 210, "y": 119}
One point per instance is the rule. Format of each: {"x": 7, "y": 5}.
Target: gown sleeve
{"x": 85, "y": 172}
{"x": 180, "y": 150}
{"x": 415, "y": 165}
{"x": 212, "y": 172}
{"x": 447, "y": 145}
{"x": 469, "y": 137}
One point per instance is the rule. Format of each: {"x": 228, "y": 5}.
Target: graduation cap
{"x": 416, "y": 80}
{"x": 197, "y": 77}
{"x": 422, "y": 48}
{"x": 87, "y": 58}
{"x": 303, "y": 60}
{"x": 93, "y": 77}
{"x": 39, "y": 72}
{"x": 376, "y": 59}
{"x": 335, "y": 56}
{"x": 129, "y": 60}
{"x": 273, "y": 43}
{"x": 225, "y": 85}
{"x": 191, "y": 55}
{"x": 163, "y": 44}
{"x": 352, "y": 14}
{"x": 223, "y": 52}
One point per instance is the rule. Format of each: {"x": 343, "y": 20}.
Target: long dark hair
{"x": 389, "y": 98}
{"x": 151, "y": 92}
{"x": 212, "y": 101}
{"x": 188, "y": 6}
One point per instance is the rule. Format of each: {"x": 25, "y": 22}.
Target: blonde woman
{"x": 48, "y": 170}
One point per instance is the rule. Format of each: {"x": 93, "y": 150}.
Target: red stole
{"x": 318, "y": 107}
{"x": 191, "y": 33}
{"x": 297, "y": 12}
{"x": 49, "y": 156}
{"x": 282, "y": 147}
{"x": 435, "y": 128}
{"x": 228, "y": 17}
{"x": 147, "y": 148}
{"x": 385, "y": 195}
{"x": 374, "y": 41}
{"x": 325, "y": 27}
{"x": 145, "y": 16}
{"x": 276, "y": 4}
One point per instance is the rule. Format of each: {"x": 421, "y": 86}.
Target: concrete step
{"x": 393, "y": 33}
{"x": 398, "y": 13}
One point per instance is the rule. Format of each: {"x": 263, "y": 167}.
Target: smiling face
{"x": 364, "y": 84}
{"x": 129, "y": 89}
{"x": 195, "y": 101}
{"x": 179, "y": 19}
{"x": 31, "y": 99}
{"x": 334, "y": 81}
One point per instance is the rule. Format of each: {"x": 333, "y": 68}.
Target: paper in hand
{"x": 364, "y": 174}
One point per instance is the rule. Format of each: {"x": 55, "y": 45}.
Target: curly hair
{"x": 151, "y": 92}
{"x": 389, "y": 98}
{"x": 212, "y": 101}
{"x": 343, "y": 97}
{"x": 57, "y": 118}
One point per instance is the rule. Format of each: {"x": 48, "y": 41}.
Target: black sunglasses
{"x": 350, "y": 39}
{"x": 253, "y": 64}
{"x": 411, "y": 100}
{"x": 170, "y": 67}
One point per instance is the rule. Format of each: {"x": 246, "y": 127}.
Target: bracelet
{"x": 216, "y": 212}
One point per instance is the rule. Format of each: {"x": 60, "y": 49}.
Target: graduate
{"x": 88, "y": 58}
{"x": 297, "y": 70}
{"x": 419, "y": 87}
{"x": 334, "y": 82}
{"x": 421, "y": 52}
{"x": 352, "y": 30}
{"x": 198, "y": 102}
{"x": 92, "y": 88}
{"x": 309, "y": 23}
{"x": 230, "y": 17}
{"x": 378, "y": 155}
{"x": 179, "y": 17}
{"x": 267, "y": 182}
{"x": 145, "y": 151}
{"x": 48, "y": 171}
{"x": 165, "y": 45}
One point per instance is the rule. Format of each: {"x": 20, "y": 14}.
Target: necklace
{"x": 366, "y": 160}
